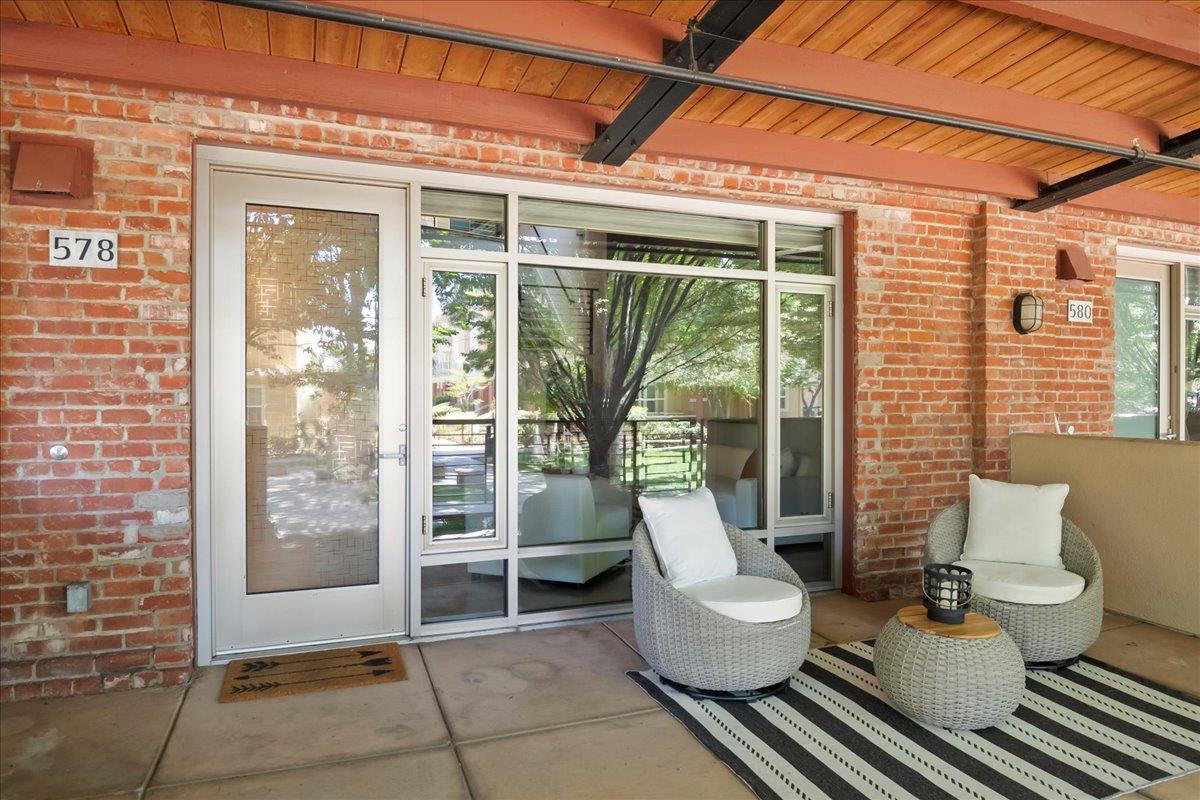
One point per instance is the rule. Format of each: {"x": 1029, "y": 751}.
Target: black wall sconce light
{"x": 1028, "y": 312}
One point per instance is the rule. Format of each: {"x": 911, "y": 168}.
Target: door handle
{"x": 401, "y": 455}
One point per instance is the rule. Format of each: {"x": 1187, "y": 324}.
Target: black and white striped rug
{"x": 1090, "y": 731}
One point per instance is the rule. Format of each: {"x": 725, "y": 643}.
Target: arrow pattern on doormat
{"x": 243, "y": 688}
{"x": 371, "y": 662}
{"x": 259, "y": 666}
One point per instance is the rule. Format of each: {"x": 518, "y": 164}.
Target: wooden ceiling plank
{"x": 1005, "y": 57}
{"x": 805, "y": 20}
{"x": 579, "y": 83}
{"x": 9, "y": 10}
{"x": 771, "y": 114}
{"x": 465, "y": 63}
{"x": 644, "y": 7}
{"x": 423, "y": 58}
{"x": 898, "y": 17}
{"x": 770, "y": 24}
{"x": 1053, "y": 54}
{"x": 985, "y": 141}
{"x": 854, "y": 126}
{"x": 695, "y": 97}
{"x": 149, "y": 18}
{"x": 337, "y": 43}
{"x": 1189, "y": 120}
{"x": 616, "y": 89}
{"x": 542, "y": 77}
{"x": 198, "y": 23}
{"x": 1111, "y": 70}
{"x": 1154, "y": 78}
{"x": 848, "y": 21}
{"x": 98, "y": 15}
{"x": 679, "y": 10}
{"x": 880, "y": 130}
{"x": 54, "y": 12}
{"x": 707, "y": 108}
{"x": 742, "y": 109}
{"x": 804, "y": 114}
{"x": 244, "y": 29}
{"x": 975, "y": 25}
{"x": 932, "y": 25}
{"x": 946, "y": 145}
{"x": 830, "y": 120}
{"x": 995, "y": 38}
{"x": 381, "y": 51}
{"x": 1094, "y": 59}
{"x": 292, "y": 36}
{"x": 1019, "y": 154}
{"x": 1160, "y": 28}
{"x": 504, "y": 70}
{"x": 904, "y": 136}
{"x": 1183, "y": 88}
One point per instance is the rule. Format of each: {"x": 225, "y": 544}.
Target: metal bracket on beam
{"x": 1186, "y": 145}
{"x": 708, "y": 42}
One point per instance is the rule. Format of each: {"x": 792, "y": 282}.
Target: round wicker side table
{"x": 963, "y": 676}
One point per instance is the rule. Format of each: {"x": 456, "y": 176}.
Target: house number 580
{"x": 71, "y": 248}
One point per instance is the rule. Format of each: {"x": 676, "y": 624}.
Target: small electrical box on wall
{"x": 1073, "y": 264}
{"x": 53, "y": 171}
{"x": 79, "y": 597}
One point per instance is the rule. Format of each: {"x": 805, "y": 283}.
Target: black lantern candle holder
{"x": 947, "y": 592}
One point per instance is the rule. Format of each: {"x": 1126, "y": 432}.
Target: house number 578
{"x": 71, "y": 248}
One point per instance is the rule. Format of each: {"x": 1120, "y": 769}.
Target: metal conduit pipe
{"x": 684, "y": 74}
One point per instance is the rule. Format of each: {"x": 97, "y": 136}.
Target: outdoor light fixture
{"x": 1028, "y": 311}
{"x": 947, "y": 592}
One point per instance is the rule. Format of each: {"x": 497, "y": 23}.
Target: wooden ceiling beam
{"x": 1164, "y": 29}
{"x": 92, "y": 55}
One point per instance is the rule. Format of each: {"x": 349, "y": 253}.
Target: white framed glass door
{"x": 308, "y": 410}
{"x": 1142, "y": 329}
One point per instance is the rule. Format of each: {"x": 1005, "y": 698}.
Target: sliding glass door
{"x": 1142, "y": 322}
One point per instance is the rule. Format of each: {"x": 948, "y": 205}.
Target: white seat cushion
{"x": 688, "y": 537}
{"x": 1023, "y": 583}
{"x": 748, "y": 598}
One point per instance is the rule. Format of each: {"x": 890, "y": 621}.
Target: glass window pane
{"x": 1191, "y": 383}
{"x": 557, "y": 228}
{"x": 584, "y": 579}
{"x": 312, "y": 321}
{"x": 589, "y": 344}
{"x": 1191, "y": 293}
{"x": 1137, "y": 343}
{"x": 803, "y": 249}
{"x": 451, "y": 592}
{"x": 464, "y": 405}
{"x": 807, "y": 553}
{"x": 462, "y": 221}
{"x": 801, "y": 404}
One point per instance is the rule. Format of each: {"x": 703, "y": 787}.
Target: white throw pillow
{"x": 688, "y": 537}
{"x": 1015, "y": 522}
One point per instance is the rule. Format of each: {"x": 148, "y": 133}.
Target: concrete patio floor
{"x": 541, "y": 713}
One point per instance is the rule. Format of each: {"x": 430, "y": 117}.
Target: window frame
{"x": 1138, "y": 262}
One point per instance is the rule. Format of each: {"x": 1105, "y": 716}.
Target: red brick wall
{"x": 99, "y": 359}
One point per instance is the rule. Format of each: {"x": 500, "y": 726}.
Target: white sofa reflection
{"x": 730, "y": 474}
{"x": 570, "y": 509}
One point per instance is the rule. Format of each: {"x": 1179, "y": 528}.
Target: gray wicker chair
{"x": 1050, "y": 635}
{"x": 707, "y": 653}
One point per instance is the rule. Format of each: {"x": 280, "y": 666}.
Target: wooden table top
{"x": 975, "y": 626}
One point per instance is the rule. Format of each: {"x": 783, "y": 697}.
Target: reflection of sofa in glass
{"x": 572, "y": 508}
{"x": 729, "y": 473}
{"x": 800, "y": 464}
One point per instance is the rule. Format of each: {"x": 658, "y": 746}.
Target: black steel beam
{"x": 709, "y": 42}
{"x": 1186, "y": 145}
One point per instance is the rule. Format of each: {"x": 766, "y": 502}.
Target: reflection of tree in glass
{"x": 1137, "y": 343}
{"x": 637, "y": 330}
{"x": 801, "y": 356}
{"x": 314, "y": 286}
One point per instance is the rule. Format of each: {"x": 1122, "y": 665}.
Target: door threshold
{"x": 220, "y": 659}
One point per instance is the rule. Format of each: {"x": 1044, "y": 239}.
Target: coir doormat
{"x": 279, "y": 676}
{"x": 1089, "y": 731}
